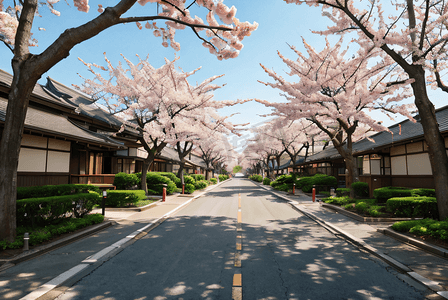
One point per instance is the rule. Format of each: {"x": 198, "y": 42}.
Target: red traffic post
{"x": 183, "y": 188}
{"x": 314, "y": 194}
{"x": 164, "y": 194}
{"x": 293, "y": 188}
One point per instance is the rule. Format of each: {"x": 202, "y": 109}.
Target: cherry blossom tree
{"x": 212, "y": 150}
{"x": 414, "y": 37}
{"x": 222, "y": 38}
{"x": 294, "y": 136}
{"x": 334, "y": 93}
{"x": 160, "y": 103}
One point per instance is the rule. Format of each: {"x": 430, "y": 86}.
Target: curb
{"x": 415, "y": 242}
{"x": 39, "y": 250}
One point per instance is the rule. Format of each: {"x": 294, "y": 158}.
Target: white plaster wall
{"x": 398, "y": 150}
{"x": 34, "y": 141}
{"x": 58, "y": 145}
{"x": 398, "y": 165}
{"x": 419, "y": 164}
{"x": 32, "y": 160}
{"x": 58, "y": 162}
{"x": 414, "y": 147}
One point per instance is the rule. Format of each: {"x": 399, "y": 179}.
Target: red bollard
{"x": 314, "y": 194}
{"x": 293, "y": 188}
{"x": 164, "y": 195}
{"x": 183, "y": 188}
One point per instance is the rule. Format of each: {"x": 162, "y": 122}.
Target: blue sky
{"x": 280, "y": 24}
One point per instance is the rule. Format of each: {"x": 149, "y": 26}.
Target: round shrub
{"x": 266, "y": 181}
{"x": 201, "y": 184}
{"x": 189, "y": 180}
{"x": 157, "y": 182}
{"x": 361, "y": 189}
{"x": 189, "y": 188}
{"x": 198, "y": 177}
{"x": 125, "y": 181}
{"x": 213, "y": 180}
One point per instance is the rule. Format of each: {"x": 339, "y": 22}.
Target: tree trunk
{"x": 146, "y": 165}
{"x": 180, "y": 172}
{"x": 23, "y": 83}
{"x": 436, "y": 144}
{"x": 346, "y": 151}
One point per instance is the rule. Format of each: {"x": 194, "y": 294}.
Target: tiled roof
{"x": 400, "y": 133}
{"x": 85, "y": 104}
{"x": 38, "y": 91}
{"x": 50, "y": 123}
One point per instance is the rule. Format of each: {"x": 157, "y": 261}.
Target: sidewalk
{"x": 421, "y": 265}
{"x": 38, "y": 272}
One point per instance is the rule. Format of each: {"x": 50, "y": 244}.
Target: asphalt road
{"x": 196, "y": 254}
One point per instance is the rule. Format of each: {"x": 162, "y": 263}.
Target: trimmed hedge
{"x": 223, "y": 177}
{"x": 306, "y": 183}
{"x": 213, "y": 180}
{"x": 157, "y": 182}
{"x": 425, "y": 207}
{"x": 189, "y": 188}
{"x": 284, "y": 182}
{"x": 119, "y": 198}
{"x": 266, "y": 181}
{"x": 54, "y": 190}
{"x": 201, "y": 184}
{"x": 361, "y": 189}
{"x": 385, "y": 193}
{"x": 189, "y": 180}
{"x": 39, "y": 235}
{"x": 340, "y": 192}
{"x": 124, "y": 181}
{"x": 257, "y": 178}
{"x": 41, "y": 211}
{"x": 434, "y": 228}
{"x": 198, "y": 177}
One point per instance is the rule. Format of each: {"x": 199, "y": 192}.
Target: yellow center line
{"x": 239, "y": 219}
{"x": 237, "y": 280}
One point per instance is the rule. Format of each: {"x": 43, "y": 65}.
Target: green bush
{"x": 189, "y": 188}
{"x": 201, "y": 184}
{"x": 189, "y": 180}
{"x": 125, "y": 181}
{"x": 42, "y": 234}
{"x": 120, "y": 198}
{"x": 266, "y": 181}
{"x": 54, "y": 190}
{"x": 425, "y": 207}
{"x": 431, "y": 227}
{"x": 198, "y": 177}
{"x": 257, "y": 178}
{"x": 361, "y": 189}
{"x": 284, "y": 182}
{"x": 385, "y": 193}
{"x": 157, "y": 182}
{"x": 213, "y": 180}
{"x": 224, "y": 177}
{"x": 306, "y": 183}
{"x": 340, "y": 192}
{"x": 423, "y": 192}
{"x": 344, "y": 200}
{"x": 41, "y": 211}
